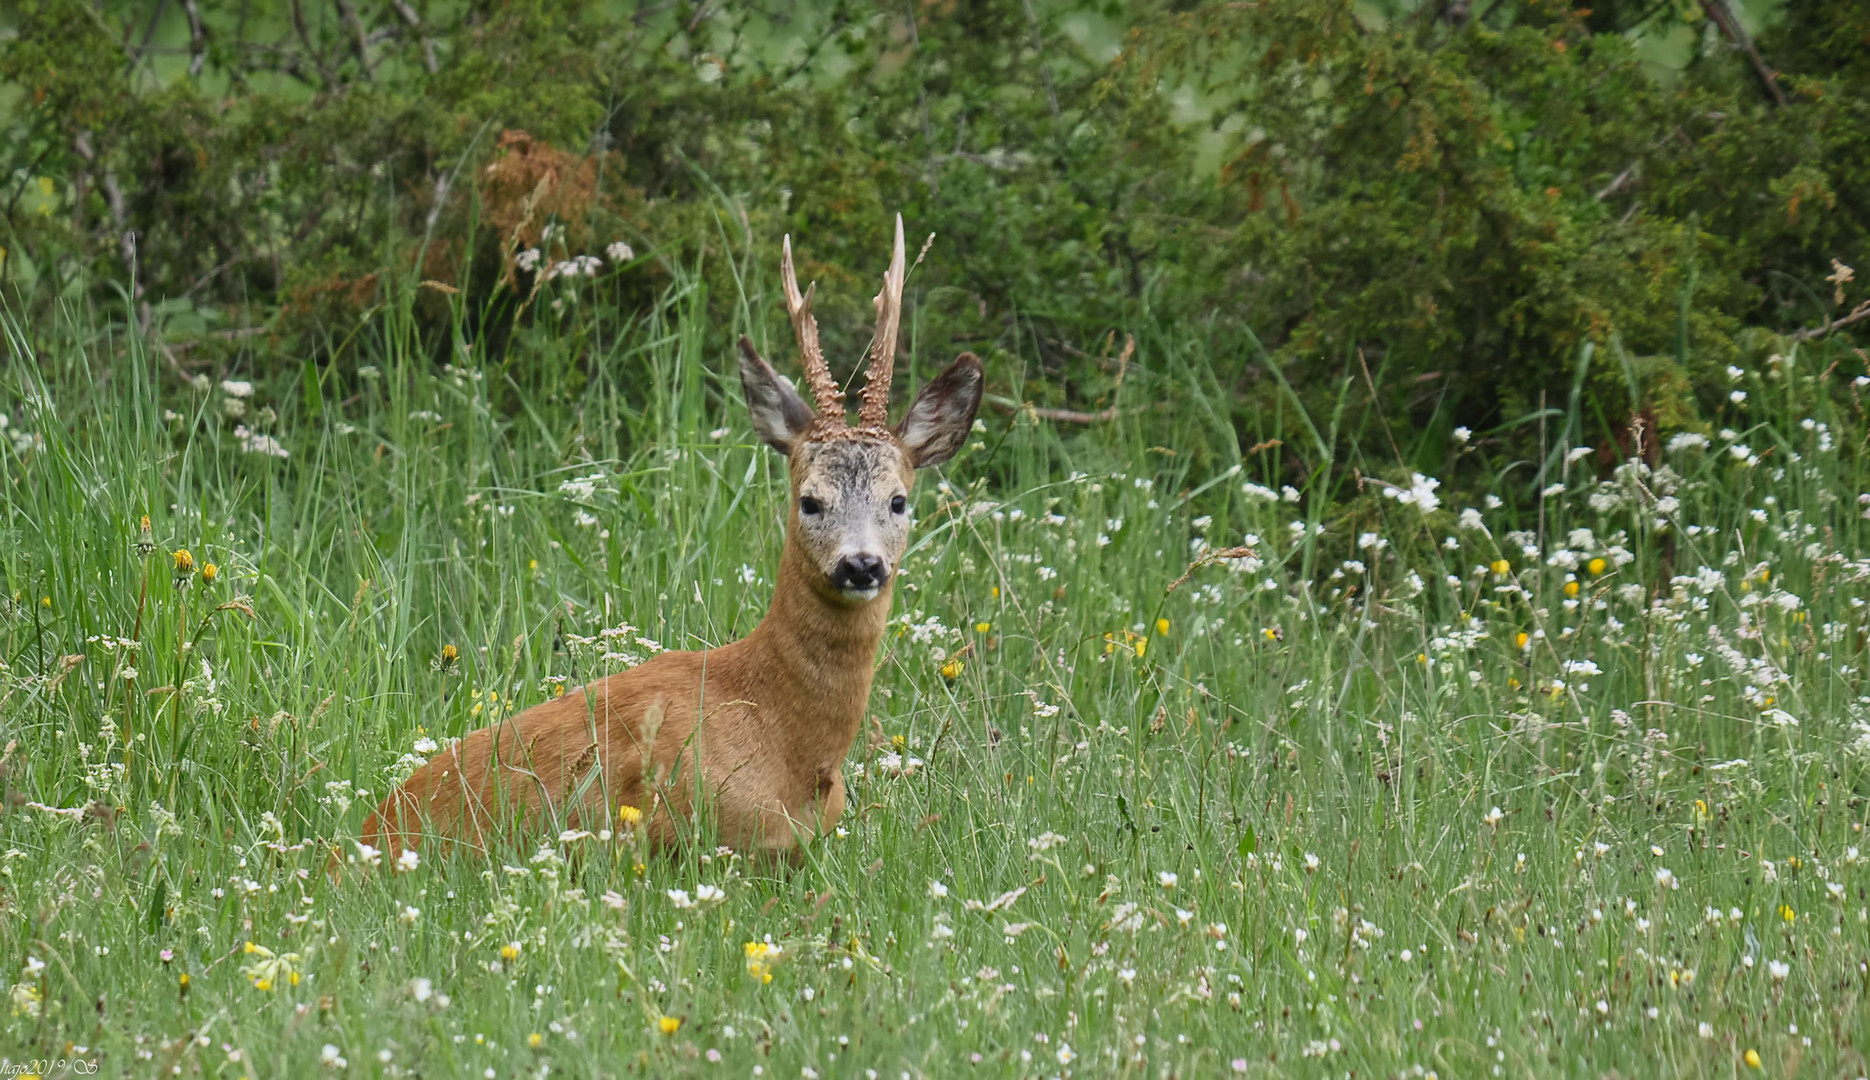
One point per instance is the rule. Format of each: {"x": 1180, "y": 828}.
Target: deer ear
{"x": 780, "y": 415}
{"x": 938, "y": 421}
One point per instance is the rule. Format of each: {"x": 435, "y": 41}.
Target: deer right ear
{"x": 780, "y": 415}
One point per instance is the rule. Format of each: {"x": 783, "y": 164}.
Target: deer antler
{"x": 825, "y": 393}
{"x": 875, "y": 409}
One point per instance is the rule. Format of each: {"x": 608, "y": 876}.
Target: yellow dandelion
{"x": 1596, "y": 566}
{"x": 209, "y": 572}
{"x": 1501, "y": 567}
{"x": 1142, "y": 646}
{"x": 629, "y": 816}
{"x": 446, "y": 660}
{"x": 535, "y": 1040}
{"x": 1272, "y": 633}
{"x": 952, "y": 669}
{"x": 184, "y": 562}
{"x": 1162, "y": 627}
{"x": 1520, "y": 639}
{"x": 1786, "y": 912}
{"x": 145, "y": 537}
{"x": 994, "y": 592}
{"x": 181, "y": 982}
{"x": 982, "y": 627}
{"x": 510, "y": 951}
{"x": 669, "y": 1025}
{"x": 45, "y": 601}
{"x": 1753, "y": 1058}
{"x": 1571, "y": 589}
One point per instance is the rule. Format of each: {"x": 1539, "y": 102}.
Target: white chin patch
{"x": 860, "y": 594}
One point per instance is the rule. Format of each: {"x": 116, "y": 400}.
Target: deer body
{"x": 756, "y": 729}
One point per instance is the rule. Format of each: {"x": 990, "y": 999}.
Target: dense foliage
{"x": 1440, "y": 207}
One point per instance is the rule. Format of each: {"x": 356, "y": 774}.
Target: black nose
{"x": 859, "y": 572}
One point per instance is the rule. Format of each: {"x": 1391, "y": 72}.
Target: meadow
{"x": 1178, "y": 766}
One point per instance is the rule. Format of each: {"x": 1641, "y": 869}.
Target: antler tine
{"x": 824, "y": 388}
{"x": 875, "y": 409}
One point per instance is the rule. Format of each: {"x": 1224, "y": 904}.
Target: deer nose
{"x": 859, "y": 572}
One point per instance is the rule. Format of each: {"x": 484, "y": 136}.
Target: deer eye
{"x": 809, "y": 505}
{"x": 898, "y": 504}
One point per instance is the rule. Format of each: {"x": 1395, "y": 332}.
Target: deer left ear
{"x": 938, "y": 422}
{"x": 780, "y": 415}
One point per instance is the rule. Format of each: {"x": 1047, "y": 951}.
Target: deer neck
{"x": 820, "y": 655}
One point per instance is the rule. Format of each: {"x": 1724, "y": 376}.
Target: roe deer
{"x": 757, "y": 728}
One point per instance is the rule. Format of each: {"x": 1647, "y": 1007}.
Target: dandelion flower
{"x": 447, "y": 660}
{"x": 535, "y": 1040}
{"x": 510, "y": 951}
{"x": 1162, "y": 627}
{"x": 669, "y": 1025}
{"x": 629, "y": 816}
{"x": 952, "y": 669}
{"x": 184, "y": 562}
{"x": 209, "y": 573}
{"x": 1753, "y": 1059}
{"x": 1596, "y": 566}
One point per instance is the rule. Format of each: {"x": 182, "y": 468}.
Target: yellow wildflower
{"x": 982, "y": 627}
{"x": 1520, "y": 639}
{"x": 669, "y": 1025}
{"x": 1753, "y": 1059}
{"x": 1571, "y": 589}
{"x": 1162, "y": 627}
{"x": 1501, "y": 567}
{"x": 629, "y": 816}
{"x": 534, "y": 1040}
{"x": 184, "y": 562}
{"x": 952, "y": 669}
{"x": 209, "y": 572}
{"x": 760, "y": 957}
{"x": 1596, "y": 566}
{"x": 510, "y": 951}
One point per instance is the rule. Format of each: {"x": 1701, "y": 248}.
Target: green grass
{"x": 1258, "y": 835}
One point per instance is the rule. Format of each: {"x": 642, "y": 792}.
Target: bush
{"x": 1443, "y": 210}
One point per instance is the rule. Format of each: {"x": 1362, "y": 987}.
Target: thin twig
{"x": 1724, "y": 18}
{"x": 1857, "y": 315}
{"x": 197, "y": 39}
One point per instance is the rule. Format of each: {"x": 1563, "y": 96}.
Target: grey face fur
{"x": 850, "y": 506}
{"x": 850, "y": 487}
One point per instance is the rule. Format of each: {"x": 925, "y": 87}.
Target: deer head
{"x": 849, "y": 519}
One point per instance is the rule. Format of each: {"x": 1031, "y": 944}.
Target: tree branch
{"x": 1723, "y": 17}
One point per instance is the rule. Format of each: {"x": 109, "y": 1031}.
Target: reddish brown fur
{"x": 778, "y": 711}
